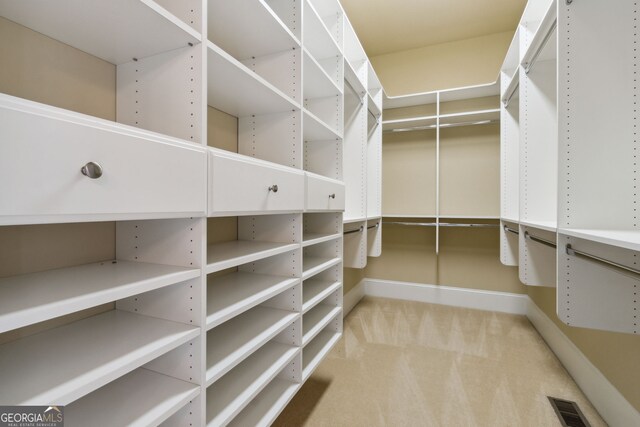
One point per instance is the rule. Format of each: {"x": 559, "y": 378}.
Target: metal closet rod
{"x": 355, "y": 92}
{"x": 376, "y": 225}
{"x": 374, "y": 116}
{"x": 441, "y": 224}
{"x": 540, "y": 240}
{"x": 620, "y": 268}
{"x": 529, "y": 65}
{"x": 357, "y": 230}
{"x": 445, "y": 125}
{"x": 507, "y": 99}
{"x": 510, "y": 230}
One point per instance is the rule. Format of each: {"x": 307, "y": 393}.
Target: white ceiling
{"x": 385, "y": 26}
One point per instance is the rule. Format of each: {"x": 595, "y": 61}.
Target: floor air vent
{"x": 568, "y": 413}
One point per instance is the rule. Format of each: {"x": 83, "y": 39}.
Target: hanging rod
{"x": 446, "y": 125}
{"x": 540, "y": 240}
{"x": 507, "y": 99}
{"x": 510, "y": 230}
{"x": 538, "y": 51}
{"x": 441, "y": 224}
{"x": 376, "y": 225}
{"x": 355, "y": 92}
{"x": 374, "y": 116}
{"x": 620, "y": 268}
{"x": 357, "y": 230}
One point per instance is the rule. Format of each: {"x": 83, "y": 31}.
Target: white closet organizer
{"x": 450, "y": 118}
{"x": 598, "y": 238}
{"x": 362, "y": 154}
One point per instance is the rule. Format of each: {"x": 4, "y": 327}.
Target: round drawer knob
{"x": 332, "y": 196}
{"x": 92, "y": 170}
{"x": 273, "y": 188}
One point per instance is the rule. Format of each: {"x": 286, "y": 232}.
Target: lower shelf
{"x": 313, "y": 265}
{"x": 266, "y": 406}
{"x": 314, "y": 352}
{"x": 316, "y": 319}
{"x": 66, "y": 363}
{"x": 139, "y": 399}
{"x": 233, "y": 392}
{"x": 314, "y": 291}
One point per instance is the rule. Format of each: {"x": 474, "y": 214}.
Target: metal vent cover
{"x": 568, "y": 413}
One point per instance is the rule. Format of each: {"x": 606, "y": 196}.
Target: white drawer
{"x": 324, "y": 194}
{"x": 239, "y": 185}
{"x": 42, "y": 151}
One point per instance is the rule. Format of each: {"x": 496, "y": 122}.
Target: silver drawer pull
{"x": 92, "y": 170}
{"x": 273, "y": 188}
{"x": 332, "y": 196}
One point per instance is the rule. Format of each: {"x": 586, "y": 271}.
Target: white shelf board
{"x": 235, "y": 340}
{"x": 221, "y": 256}
{"x": 514, "y": 221}
{"x": 352, "y": 78}
{"x": 352, "y": 220}
{"x": 374, "y": 217}
{"x": 316, "y": 81}
{"x": 470, "y": 116}
{"x": 314, "y": 352}
{"x": 543, "y": 46}
{"x": 267, "y": 405}
{"x": 428, "y": 122}
{"x": 317, "y": 37}
{"x": 468, "y": 217}
{"x": 314, "y": 129}
{"x": 470, "y": 92}
{"x": 315, "y": 238}
{"x": 237, "y": 292}
{"x": 229, "y": 395}
{"x": 385, "y": 215}
{"x": 139, "y": 399}
{"x": 314, "y": 321}
{"x": 236, "y": 90}
{"x": 313, "y": 265}
{"x": 315, "y": 291}
{"x": 541, "y": 225}
{"x": 626, "y": 239}
{"x": 116, "y": 30}
{"x": 30, "y": 298}
{"x": 68, "y": 362}
{"x": 234, "y": 26}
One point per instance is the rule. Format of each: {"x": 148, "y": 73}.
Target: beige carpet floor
{"x": 403, "y": 363}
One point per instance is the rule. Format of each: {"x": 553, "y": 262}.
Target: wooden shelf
{"x": 228, "y": 396}
{"x": 237, "y": 292}
{"x": 314, "y": 352}
{"x": 315, "y": 238}
{"x": 315, "y": 291}
{"x": 116, "y": 31}
{"x": 542, "y": 225}
{"x": 66, "y": 363}
{"x": 267, "y": 405}
{"x": 231, "y": 254}
{"x": 139, "y": 399}
{"x": 314, "y": 129}
{"x": 233, "y": 26}
{"x": 235, "y": 340}
{"x": 313, "y": 265}
{"x": 236, "y": 90}
{"x": 317, "y": 37}
{"x": 626, "y": 239}
{"x": 35, "y": 297}
{"x": 316, "y": 82}
{"x": 314, "y": 321}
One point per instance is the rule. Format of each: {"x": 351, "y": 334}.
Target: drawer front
{"x": 238, "y": 185}
{"x": 41, "y": 180}
{"x": 324, "y": 194}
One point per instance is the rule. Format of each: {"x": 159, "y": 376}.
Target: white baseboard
{"x": 610, "y": 404}
{"x": 457, "y": 297}
{"x": 352, "y": 298}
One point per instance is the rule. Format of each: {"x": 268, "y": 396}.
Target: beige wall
{"x": 38, "y": 68}
{"x": 455, "y": 64}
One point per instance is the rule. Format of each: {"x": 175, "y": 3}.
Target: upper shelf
{"x": 466, "y": 118}
{"x": 115, "y": 30}
{"x": 236, "y": 90}
{"x": 221, "y": 256}
{"x": 626, "y": 239}
{"x": 35, "y": 297}
{"x": 233, "y": 25}
{"x": 457, "y": 94}
{"x": 66, "y": 363}
{"x": 317, "y": 37}
{"x": 316, "y": 81}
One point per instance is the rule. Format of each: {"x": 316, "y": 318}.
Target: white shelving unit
{"x": 205, "y": 323}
